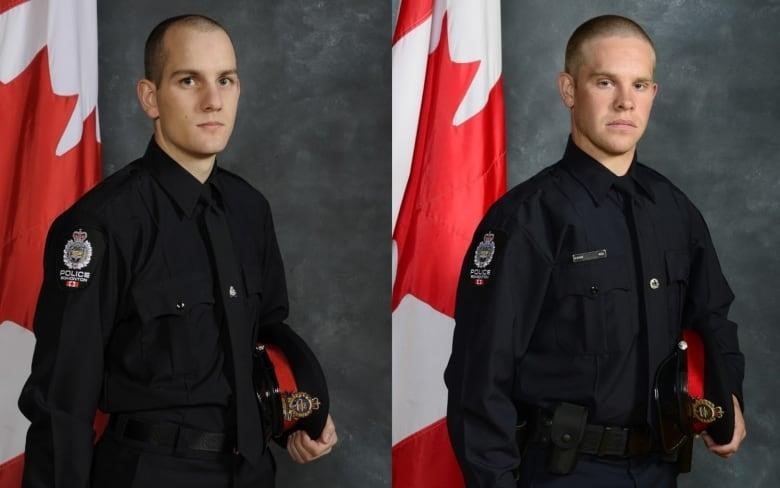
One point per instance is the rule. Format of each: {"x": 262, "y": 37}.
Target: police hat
{"x": 290, "y": 385}
{"x": 691, "y": 393}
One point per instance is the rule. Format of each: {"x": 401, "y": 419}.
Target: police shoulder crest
{"x": 78, "y": 258}
{"x": 78, "y": 251}
{"x": 485, "y": 250}
{"x": 483, "y": 257}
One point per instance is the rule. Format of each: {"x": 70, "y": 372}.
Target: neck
{"x": 198, "y": 167}
{"x": 616, "y": 163}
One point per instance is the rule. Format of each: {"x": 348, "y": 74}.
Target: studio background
{"x": 313, "y": 135}
{"x": 713, "y": 132}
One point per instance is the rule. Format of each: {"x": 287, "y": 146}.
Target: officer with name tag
{"x": 163, "y": 304}
{"x": 580, "y": 298}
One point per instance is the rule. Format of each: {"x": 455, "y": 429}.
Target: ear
{"x": 147, "y": 97}
{"x": 566, "y": 88}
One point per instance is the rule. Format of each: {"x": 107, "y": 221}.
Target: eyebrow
{"x": 612, "y": 75}
{"x": 182, "y": 72}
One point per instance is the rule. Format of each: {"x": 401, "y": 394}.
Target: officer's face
{"x": 611, "y": 96}
{"x": 194, "y": 106}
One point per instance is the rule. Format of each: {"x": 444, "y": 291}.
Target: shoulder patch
{"x": 483, "y": 255}
{"x": 81, "y": 251}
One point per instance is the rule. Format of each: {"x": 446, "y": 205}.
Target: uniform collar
{"x": 183, "y": 188}
{"x": 596, "y": 178}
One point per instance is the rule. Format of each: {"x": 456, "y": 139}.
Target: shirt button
{"x": 594, "y": 289}
{"x": 654, "y": 284}
{"x": 180, "y": 305}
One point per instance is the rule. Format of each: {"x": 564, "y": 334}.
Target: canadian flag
{"x": 49, "y": 156}
{"x": 449, "y": 165}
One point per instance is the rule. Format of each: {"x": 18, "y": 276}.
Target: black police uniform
{"x": 127, "y": 322}
{"x": 574, "y": 290}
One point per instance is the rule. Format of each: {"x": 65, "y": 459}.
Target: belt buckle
{"x": 613, "y": 441}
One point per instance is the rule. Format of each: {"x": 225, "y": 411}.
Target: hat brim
{"x": 716, "y": 391}
{"x": 309, "y": 376}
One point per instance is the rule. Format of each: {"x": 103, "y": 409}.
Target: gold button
{"x": 654, "y": 284}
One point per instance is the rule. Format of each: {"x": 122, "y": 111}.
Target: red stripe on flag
{"x": 36, "y": 184}
{"x": 457, "y": 173}
{"x": 6, "y": 5}
{"x": 411, "y": 13}
{"x": 11, "y": 472}
{"x": 419, "y": 461}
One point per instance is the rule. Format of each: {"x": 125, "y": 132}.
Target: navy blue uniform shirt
{"x": 575, "y": 288}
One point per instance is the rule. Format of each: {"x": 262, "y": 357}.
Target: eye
{"x": 187, "y": 81}
{"x": 642, "y": 86}
{"x": 226, "y": 81}
{"x": 604, "y": 83}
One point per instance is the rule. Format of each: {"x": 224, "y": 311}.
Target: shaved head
{"x": 154, "y": 51}
{"x": 602, "y": 26}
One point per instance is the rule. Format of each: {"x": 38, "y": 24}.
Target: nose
{"x": 212, "y": 98}
{"x": 624, "y": 99}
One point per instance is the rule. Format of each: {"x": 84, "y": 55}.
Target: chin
{"x": 620, "y": 147}
{"x": 211, "y": 149}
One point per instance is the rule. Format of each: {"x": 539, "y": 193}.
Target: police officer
{"x": 575, "y": 289}
{"x": 143, "y": 278}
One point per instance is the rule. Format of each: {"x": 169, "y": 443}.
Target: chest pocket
{"x": 678, "y": 264}
{"x": 170, "y": 312}
{"x": 592, "y": 312}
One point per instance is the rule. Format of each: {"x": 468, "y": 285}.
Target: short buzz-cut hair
{"x": 602, "y": 26}
{"x": 154, "y": 52}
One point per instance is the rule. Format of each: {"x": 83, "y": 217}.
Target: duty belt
{"x": 598, "y": 440}
{"x": 169, "y": 435}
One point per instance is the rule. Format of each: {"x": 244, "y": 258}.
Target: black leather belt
{"x": 601, "y": 440}
{"x": 169, "y": 435}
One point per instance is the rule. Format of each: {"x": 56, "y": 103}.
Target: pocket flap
{"x": 171, "y": 297}
{"x": 591, "y": 278}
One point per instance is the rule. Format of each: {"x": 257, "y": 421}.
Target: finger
{"x": 328, "y": 436}
{"x": 708, "y": 441}
{"x": 328, "y": 431}
{"x": 294, "y": 448}
{"x": 724, "y": 449}
{"x": 313, "y": 448}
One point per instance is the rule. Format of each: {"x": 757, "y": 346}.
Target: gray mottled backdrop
{"x": 313, "y": 134}
{"x": 714, "y": 133}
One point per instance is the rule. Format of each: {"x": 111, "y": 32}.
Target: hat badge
{"x": 298, "y": 405}
{"x": 705, "y": 411}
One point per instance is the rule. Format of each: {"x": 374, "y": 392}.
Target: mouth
{"x": 210, "y": 125}
{"x": 622, "y": 124}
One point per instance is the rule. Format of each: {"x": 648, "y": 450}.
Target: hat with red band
{"x": 691, "y": 393}
{"x": 290, "y": 385}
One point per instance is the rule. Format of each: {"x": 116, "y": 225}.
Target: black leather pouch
{"x": 566, "y": 431}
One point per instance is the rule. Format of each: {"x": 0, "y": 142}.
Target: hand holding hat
{"x": 303, "y": 448}
{"x": 727, "y": 450}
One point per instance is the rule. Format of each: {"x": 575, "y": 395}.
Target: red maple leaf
{"x": 36, "y": 184}
{"x": 456, "y": 173}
